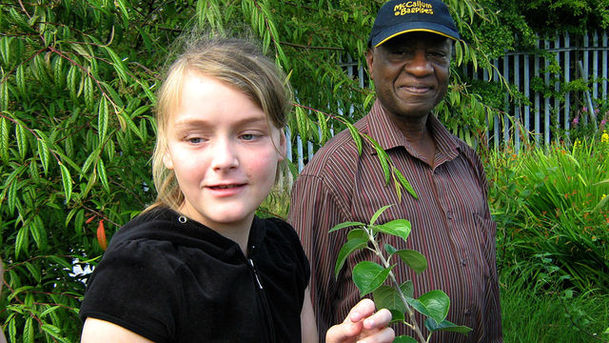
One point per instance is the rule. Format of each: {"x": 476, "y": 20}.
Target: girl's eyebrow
{"x": 189, "y": 123}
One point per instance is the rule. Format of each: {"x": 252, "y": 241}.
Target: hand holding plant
{"x": 371, "y": 277}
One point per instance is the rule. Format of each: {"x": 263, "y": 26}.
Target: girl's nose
{"x": 224, "y": 155}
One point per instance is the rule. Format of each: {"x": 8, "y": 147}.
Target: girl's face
{"x": 223, "y": 152}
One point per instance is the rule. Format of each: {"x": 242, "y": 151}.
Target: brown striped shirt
{"x": 451, "y": 223}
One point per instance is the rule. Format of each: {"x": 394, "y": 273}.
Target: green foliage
{"x": 77, "y": 89}
{"x": 555, "y": 203}
{"x": 535, "y": 308}
{"x": 75, "y": 120}
{"x": 371, "y": 277}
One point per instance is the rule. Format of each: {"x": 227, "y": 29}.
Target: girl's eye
{"x": 195, "y": 140}
{"x": 249, "y": 136}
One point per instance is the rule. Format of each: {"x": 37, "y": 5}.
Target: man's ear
{"x": 369, "y": 62}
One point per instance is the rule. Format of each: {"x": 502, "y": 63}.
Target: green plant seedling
{"x": 379, "y": 279}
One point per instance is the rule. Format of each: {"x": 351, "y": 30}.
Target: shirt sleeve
{"x": 134, "y": 287}
{"x": 313, "y": 212}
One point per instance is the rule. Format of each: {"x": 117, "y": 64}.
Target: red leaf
{"x": 101, "y": 235}
{"x": 90, "y": 220}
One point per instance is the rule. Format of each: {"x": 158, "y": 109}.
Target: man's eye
{"x": 248, "y": 136}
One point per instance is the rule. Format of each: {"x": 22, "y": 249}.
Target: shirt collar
{"x": 385, "y": 132}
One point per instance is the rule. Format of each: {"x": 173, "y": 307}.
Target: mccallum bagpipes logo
{"x": 413, "y": 7}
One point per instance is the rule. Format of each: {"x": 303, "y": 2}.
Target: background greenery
{"x": 77, "y": 90}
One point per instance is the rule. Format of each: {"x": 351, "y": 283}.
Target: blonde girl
{"x": 198, "y": 265}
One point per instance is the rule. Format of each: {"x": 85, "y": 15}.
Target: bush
{"x": 554, "y": 204}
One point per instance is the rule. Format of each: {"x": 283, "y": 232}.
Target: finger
{"x": 386, "y": 335}
{"x": 380, "y": 319}
{"x": 361, "y": 310}
{"x": 343, "y": 332}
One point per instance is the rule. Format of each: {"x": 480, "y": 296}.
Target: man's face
{"x": 411, "y": 73}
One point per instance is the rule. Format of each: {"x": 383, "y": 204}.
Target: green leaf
{"x": 22, "y": 145}
{"x": 118, "y": 65}
{"x": 28, "y": 331}
{"x": 414, "y": 259}
{"x": 397, "y": 227}
{"x": 404, "y": 339}
{"x": 4, "y": 98}
{"x": 38, "y": 232}
{"x": 43, "y": 150}
{"x": 121, "y": 5}
{"x": 390, "y": 249}
{"x": 67, "y": 182}
{"x": 89, "y": 161}
{"x": 88, "y": 91}
{"x": 21, "y": 242}
{"x": 445, "y": 325}
{"x": 345, "y": 225}
{"x": 356, "y": 136}
{"x": 368, "y": 276}
{"x": 389, "y": 297}
{"x": 397, "y": 316}
{"x": 357, "y": 233}
{"x": 102, "y": 120}
{"x": 302, "y": 124}
{"x": 349, "y": 247}
{"x": 20, "y": 80}
{"x": 131, "y": 125}
{"x": 378, "y": 213}
{"x": 323, "y": 128}
{"x": 384, "y": 161}
{"x": 34, "y": 272}
{"x": 101, "y": 170}
{"x": 4, "y": 134}
{"x": 398, "y": 174}
{"x": 435, "y": 304}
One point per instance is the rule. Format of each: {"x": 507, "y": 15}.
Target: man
{"x": 408, "y": 59}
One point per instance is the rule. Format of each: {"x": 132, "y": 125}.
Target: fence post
{"x": 537, "y": 99}
{"x": 567, "y": 72}
{"x": 546, "y": 100}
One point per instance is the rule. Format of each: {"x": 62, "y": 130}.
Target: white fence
{"x": 548, "y": 113}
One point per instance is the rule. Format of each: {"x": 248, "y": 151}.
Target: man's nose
{"x": 419, "y": 63}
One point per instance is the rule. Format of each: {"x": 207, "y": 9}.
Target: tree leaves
{"x": 433, "y": 304}
{"x": 369, "y": 276}
{"x": 346, "y": 250}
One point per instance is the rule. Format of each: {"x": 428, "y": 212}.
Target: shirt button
{"x": 467, "y": 312}
{"x": 463, "y": 263}
{"x": 449, "y": 215}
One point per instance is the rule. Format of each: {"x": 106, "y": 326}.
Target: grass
{"x": 529, "y": 316}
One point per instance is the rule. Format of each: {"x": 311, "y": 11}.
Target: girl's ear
{"x": 282, "y": 145}
{"x": 167, "y": 160}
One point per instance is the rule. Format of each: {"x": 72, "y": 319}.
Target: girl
{"x": 198, "y": 265}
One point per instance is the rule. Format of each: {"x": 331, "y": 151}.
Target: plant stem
{"x": 395, "y": 283}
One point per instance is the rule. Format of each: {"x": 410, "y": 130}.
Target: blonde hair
{"x": 235, "y": 62}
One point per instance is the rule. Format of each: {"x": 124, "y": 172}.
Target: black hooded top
{"x": 172, "y": 279}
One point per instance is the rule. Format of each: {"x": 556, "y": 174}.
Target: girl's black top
{"x": 172, "y": 279}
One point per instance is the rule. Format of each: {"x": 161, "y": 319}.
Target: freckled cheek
{"x": 263, "y": 165}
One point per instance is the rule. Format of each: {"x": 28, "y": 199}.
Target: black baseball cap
{"x": 397, "y": 17}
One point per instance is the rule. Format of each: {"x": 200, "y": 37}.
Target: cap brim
{"x": 414, "y": 27}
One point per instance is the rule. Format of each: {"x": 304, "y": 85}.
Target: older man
{"x": 409, "y": 56}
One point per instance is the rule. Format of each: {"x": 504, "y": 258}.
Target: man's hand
{"x": 363, "y": 325}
